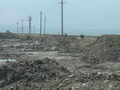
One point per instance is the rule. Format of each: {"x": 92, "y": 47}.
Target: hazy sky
{"x": 82, "y": 16}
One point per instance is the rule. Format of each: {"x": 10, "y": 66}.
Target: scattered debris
{"x": 95, "y": 65}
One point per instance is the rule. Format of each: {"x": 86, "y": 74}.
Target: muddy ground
{"x": 54, "y": 62}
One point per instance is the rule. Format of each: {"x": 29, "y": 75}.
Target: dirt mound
{"x": 83, "y": 81}
{"x": 8, "y": 36}
{"x": 61, "y": 43}
{"x": 105, "y": 48}
{"x": 31, "y": 71}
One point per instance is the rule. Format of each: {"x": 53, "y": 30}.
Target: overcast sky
{"x": 82, "y": 16}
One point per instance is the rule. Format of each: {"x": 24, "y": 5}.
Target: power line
{"x": 50, "y": 10}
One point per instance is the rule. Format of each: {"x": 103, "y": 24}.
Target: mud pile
{"x": 54, "y": 42}
{"x": 54, "y": 78}
{"x": 47, "y": 42}
{"x": 8, "y": 36}
{"x": 105, "y": 49}
{"x": 31, "y": 71}
{"x": 62, "y": 42}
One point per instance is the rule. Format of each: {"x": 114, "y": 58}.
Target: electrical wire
{"x": 51, "y": 9}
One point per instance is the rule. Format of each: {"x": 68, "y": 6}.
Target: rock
{"x": 11, "y": 88}
{"x": 73, "y": 88}
{"x": 54, "y": 49}
{"x": 71, "y": 76}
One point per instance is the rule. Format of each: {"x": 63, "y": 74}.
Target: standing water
{"x": 4, "y": 60}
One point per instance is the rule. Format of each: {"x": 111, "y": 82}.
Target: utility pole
{"x": 17, "y": 27}
{"x": 62, "y": 16}
{"x": 34, "y": 29}
{"x": 40, "y": 22}
{"x": 29, "y": 19}
{"x": 44, "y": 24}
{"x": 22, "y": 26}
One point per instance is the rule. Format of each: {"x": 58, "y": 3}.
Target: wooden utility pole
{"x": 44, "y": 24}
{"x": 40, "y": 22}
{"x": 29, "y": 19}
{"x": 17, "y": 27}
{"x": 62, "y": 16}
{"x": 22, "y": 26}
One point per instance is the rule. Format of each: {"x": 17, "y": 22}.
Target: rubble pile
{"x": 8, "y": 36}
{"x": 61, "y": 42}
{"x": 105, "y": 49}
{"x": 31, "y": 71}
{"x": 48, "y": 42}
{"x": 47, "y": 78}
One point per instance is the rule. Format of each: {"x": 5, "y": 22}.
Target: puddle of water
{"x": 4, "y": 60}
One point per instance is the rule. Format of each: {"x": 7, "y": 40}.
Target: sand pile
{"x": 105, "y": 49}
